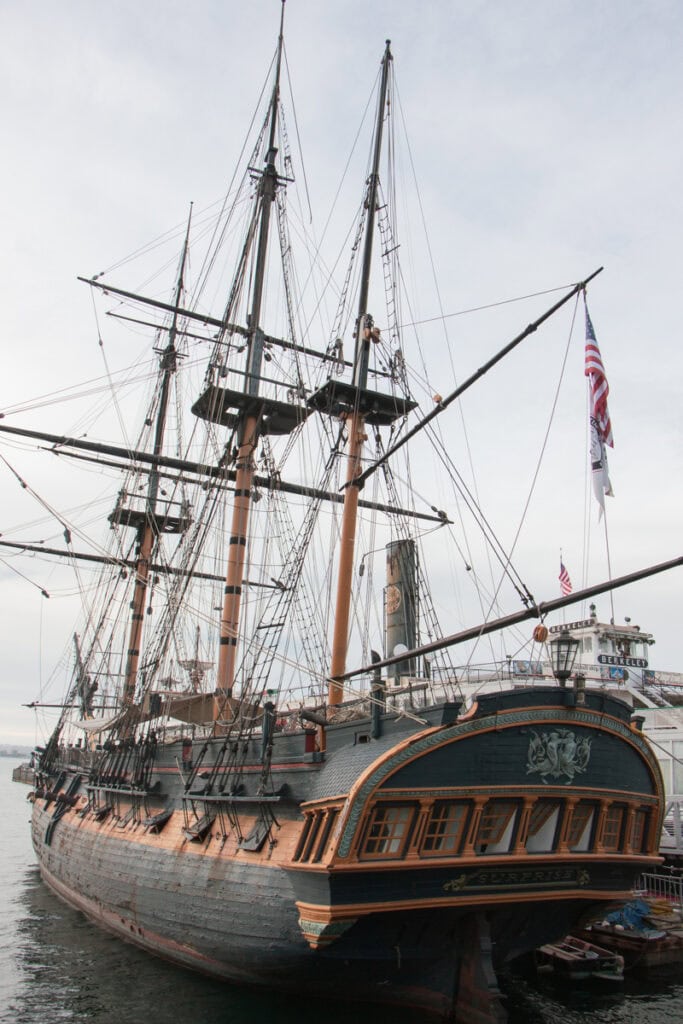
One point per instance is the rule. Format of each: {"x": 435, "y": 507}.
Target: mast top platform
{"x": 338, "y": 398}
{"x": 158, "y": 522}
{"x": 228, "y": 408}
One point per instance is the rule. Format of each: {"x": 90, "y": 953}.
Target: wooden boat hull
{"x": 576, "y": 959}
{"x": 372, "y": 883}
{"x": 639, "y": 950}
{"x": 240, "y": 923}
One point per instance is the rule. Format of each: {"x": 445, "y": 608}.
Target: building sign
{"x": 616, "y": 659}
{"x": 583, "y": 624}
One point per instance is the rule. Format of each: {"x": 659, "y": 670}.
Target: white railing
{"x": 662, "y": 887}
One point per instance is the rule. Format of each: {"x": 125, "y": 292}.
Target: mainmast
{"x": 147, "y": 521}
{"x": 248, "y": 429}
{"x": 250, "y": 413}
{"x": 355, "y": 416}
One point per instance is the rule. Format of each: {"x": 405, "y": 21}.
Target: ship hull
{"x": 240, "y": 924}
{"x": 403, "y": 870}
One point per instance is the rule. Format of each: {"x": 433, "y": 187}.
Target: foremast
{"x": 147, "y": 521}
{"x": 355, "y": 416}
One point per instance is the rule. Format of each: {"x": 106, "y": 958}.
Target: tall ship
{"x": 265, "y": 768}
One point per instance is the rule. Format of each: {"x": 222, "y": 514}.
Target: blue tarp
{"x": 631, "y": 915}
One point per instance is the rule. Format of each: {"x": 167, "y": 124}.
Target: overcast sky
{"x": 546, "y": 138}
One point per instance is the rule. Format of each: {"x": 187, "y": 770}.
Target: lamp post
{"x": 564, "y": 649}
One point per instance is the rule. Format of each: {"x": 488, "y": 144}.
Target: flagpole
{"x": 564, "y": 611}
{"x": 600, "y": 430}
{"x": 565, "y": 579}
{"x": 609, "y": 566}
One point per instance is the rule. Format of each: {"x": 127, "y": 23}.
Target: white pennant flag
{"x": 601, "y": 480}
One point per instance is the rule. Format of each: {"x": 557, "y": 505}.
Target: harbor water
{"x": 56, "y": 967}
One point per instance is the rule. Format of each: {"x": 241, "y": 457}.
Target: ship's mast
{"x": 147, "y": 522}
{"x": 356, "y": 419}
{"x": 249, "y": 423}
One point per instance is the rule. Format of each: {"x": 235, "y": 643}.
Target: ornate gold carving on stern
{"x": 318, "y": 927}
{"x": 557, "y": 753}
{"x": 455, "y": 884}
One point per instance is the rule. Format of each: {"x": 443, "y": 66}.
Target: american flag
{"x": 595, "y": 371}
{"x": 600, "y": 428}
{"x": 565, "y": 582}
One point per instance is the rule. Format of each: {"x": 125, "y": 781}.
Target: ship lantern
{"x": 540, "y": 634}
{"x": 564, "y": 650}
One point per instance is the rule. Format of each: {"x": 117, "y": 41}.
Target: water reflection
{"x": 654, "y": 997}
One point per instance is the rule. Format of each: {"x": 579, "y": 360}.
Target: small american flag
{"x": 595, "y": 371}
{"x": 565, "y": 582}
